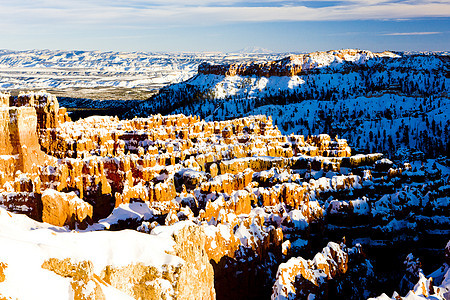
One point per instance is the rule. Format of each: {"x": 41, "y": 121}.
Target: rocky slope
{"x": 177, "y": 207}
{"x": 360, "y": 95}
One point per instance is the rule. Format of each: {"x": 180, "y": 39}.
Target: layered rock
{"x": 244, "y": 252}
{"x": 240, "y": 198}
{"x": 46, "y": 106}
{"x": 293, "y": 64}
{"x": 4, "y": 99}
{"x": 300, "y": 278}
{"x": 84, "y": 283}
{"x": 3, "y": 266}
{"x": 190, "y": 244}
{"x": 20, "y": 149}
{"x": 106, "y": 183}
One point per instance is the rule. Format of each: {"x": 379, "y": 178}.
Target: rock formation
{"x": 62, "y": 209}
{"x": 20, "y": 148}
{"x": 291, "y": 65}
{"x": 234, "y": 200}
{"x": 299, "y": 278}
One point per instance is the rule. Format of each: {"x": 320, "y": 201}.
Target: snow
{"x": 446, "y": 280}
{"x": 361, "y": 206}
{"x": 125, "y": 211}
{"x": 224, "y": 231}
{"x": 47, "y": 69}
{"x": 396, "y": 225}
{"x": 249, "y": 236}
{"x": 299, "y": 220}
{"x": 45, "y": 241}
{"x": 71, "y": 197}
{"x": 299, "y": 243}
{"x": 169, "y": 231}
{"x": 422, "y": 290}
{"x": 283, "y": 286}
{"x": 382, "y": 206}
{"x": 114, "y": 294}
{"x": 221, "y": 229}
{"x": 371, "y": 118}
{"x": 26, "y": 244}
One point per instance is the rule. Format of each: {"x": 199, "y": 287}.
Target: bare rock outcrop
{"x": 46, "y": 106}
{"x": 4, "y": 99}
{"x": 190, "y": 244}
{"x": 62, "y": 209}
{"x": 84, "y": 283}
{"x": 20, "y": 149}
{"x": 3, "y": 266}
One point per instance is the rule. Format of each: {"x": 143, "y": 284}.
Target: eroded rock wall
{"x": 253, "y": 198}
{"x": 291, "y": 65}
{"x": 20, "y": 149}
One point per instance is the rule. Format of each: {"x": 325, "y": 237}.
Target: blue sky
{"x": 227, "y": 25}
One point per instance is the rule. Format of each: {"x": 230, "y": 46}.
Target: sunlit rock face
{"x": 293, "y": 64}
{"x": 300, "y": 278}
{"x": 180, "y": 208}
{"x": 20, "y": 147}
{"x": 64, "y": 264}
{"x": 62, "y": 209}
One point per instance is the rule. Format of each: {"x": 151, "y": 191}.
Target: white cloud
{"x": 178, "y": 12}
{"x": 413, "y": 33}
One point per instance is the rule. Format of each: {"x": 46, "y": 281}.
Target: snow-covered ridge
{"x": 306, "y": 93}
{"x": 337, "y": 70}
{"x": 295, "y": 64}
{"x": 320, "y": 75}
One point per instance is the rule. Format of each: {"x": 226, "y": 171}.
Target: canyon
{"x": 379, "y": 102}
{"x": 180, "y": 207}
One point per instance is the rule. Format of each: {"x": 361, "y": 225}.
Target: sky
{"x": 225, "y": 26}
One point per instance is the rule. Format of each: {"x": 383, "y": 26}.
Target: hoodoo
{"x": 177, "y": 207}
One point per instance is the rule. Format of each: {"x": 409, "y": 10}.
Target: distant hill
{"x": 254, "y": 49}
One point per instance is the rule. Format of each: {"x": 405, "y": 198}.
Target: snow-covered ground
{"x": 26, "y": 245}
{"x": 383, "y": 122}
{"x": 62, "y": 70}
